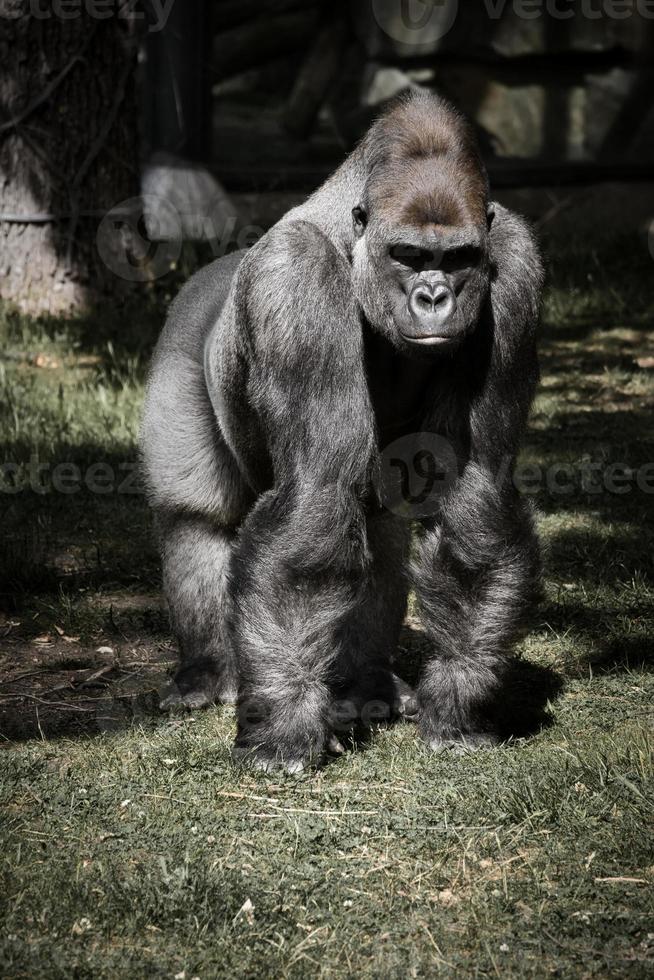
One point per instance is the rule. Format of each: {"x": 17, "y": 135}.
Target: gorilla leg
{"x": 195, "y": 561}
{"x": 296, "y": 577}
{"x": 302, "y": 556}
{"x": 475, "y": 577}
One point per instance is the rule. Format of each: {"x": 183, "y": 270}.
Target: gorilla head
{"x": 420, "y": 258}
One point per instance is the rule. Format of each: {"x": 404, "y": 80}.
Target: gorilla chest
{"x": 402, "y": 391}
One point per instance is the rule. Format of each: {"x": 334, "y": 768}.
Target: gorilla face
{"x": 422, "y": 281}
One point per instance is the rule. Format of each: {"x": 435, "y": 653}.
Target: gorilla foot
{"x": 198, "y": 685}
{"x": 266, "y": 761}
{"x": 174, "y": 700}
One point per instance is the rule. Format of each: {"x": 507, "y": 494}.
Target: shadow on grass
{"x": 87, "y": 695}
{"x": 588, "y": 623}
{"x": 578, "y": 327}
{"x": 121, "y": 333}
{"x": 522, "y": 708}
{"x": 622, "y": 655}
{"x": 617, "y": 427}
{"x": 588, "y": 556}
{"x": 79, "y": 539}
{"x": 100, "y": 331}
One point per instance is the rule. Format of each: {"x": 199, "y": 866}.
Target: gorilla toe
{"x": 406, "y": 702}
{"x": 265, "y": 762}
{"x": 463, "y": 744}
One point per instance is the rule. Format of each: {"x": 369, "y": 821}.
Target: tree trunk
{"x": 68, "y": 151}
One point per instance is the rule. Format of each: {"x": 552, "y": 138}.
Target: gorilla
{"x": 396, "y": 304}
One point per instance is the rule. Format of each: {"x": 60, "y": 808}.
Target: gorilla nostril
{"x": 431, "y": 307}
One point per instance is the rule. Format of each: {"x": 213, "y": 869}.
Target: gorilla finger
{"x": 335, "y": 746}
{"x": 174, "y": 700}
{"x": 268, "y": 763}
{"x": 406, "y": 702}
{"x": 464, "y": 744}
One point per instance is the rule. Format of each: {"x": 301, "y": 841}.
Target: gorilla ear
{"x": 360, "y": 218}
{"x": 490, "y": 215}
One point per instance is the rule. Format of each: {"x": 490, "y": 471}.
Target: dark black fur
{"x": 280, "y": 375}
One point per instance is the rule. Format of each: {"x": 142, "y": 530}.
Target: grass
{"x": 131, "y": 847}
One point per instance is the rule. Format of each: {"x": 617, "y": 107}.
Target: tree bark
{"x": 68, "y": 151}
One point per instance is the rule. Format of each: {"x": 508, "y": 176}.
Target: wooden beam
{"x": 315, "y": 78}
{"x": 259, "y": 41}
{"x": 226, "y": 14}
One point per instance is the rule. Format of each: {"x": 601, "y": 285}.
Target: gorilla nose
{"x": 431, "y": 307}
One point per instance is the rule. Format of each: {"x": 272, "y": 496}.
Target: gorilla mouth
{"x": 430, "y": 340}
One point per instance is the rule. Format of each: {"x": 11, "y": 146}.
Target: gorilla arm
{"x": 477, "y": 567}
{"x": 302, "y": 552}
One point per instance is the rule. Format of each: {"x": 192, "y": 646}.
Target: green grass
{"x": 130, "y": 846}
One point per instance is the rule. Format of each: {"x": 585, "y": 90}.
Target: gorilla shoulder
{"x": 293, "y": 283}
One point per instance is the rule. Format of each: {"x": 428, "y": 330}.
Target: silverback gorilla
{"x": 397, "y": 300}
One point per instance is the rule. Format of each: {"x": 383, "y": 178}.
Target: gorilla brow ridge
{"x": 406, "y": 194}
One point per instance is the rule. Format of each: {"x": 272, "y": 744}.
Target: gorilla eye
{"x": 461, "y": 258}
{"x": 411, "y": 255}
